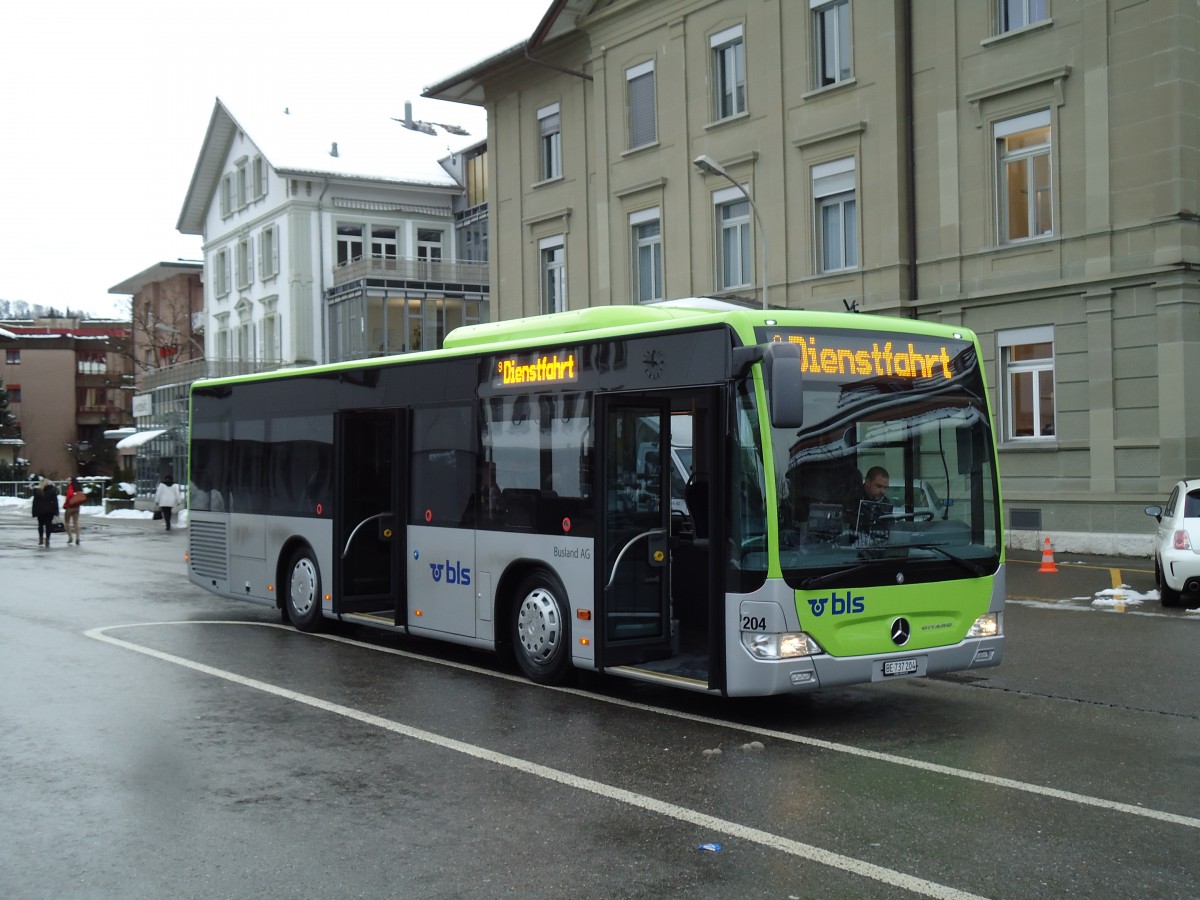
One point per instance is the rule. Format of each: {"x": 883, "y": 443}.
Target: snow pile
{"x": 1121, "y": 597}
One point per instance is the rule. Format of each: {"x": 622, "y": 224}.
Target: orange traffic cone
{"x": 1048, "y": 559}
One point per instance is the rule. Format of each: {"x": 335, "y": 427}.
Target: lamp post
{"x": 710, "y": 166}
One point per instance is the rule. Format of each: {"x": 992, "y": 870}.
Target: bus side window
{"x": 438, "y": 488}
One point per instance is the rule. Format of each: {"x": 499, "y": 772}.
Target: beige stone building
{"x": 1028, "y": 169}
{"x": 68, "y": 382}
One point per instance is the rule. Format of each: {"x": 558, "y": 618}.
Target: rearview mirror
{"x": 785, "y": 384}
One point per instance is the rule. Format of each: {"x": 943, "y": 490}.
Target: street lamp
{"x": 710, "y": 166}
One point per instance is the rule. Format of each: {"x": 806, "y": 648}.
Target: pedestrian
{"x": 166, "y": 498}
{"x": 45, "y": 508}
{"x": 75, "y": 498}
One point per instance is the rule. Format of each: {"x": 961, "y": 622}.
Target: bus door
{"x": 369, "y": 513}
{"x": 634, "y": 559}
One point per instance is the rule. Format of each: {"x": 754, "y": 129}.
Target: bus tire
{"x": 302, "y": 602}
{"x": 541, "y": 633}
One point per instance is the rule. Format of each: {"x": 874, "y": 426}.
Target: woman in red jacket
{"x": 75, "y": 498}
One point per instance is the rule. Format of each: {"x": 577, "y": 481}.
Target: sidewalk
{"x": 1083, "y": 559}
{"x": 15, "y": 513}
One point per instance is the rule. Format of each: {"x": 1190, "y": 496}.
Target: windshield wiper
{"x": 973, "y": 567}
{"x": 816, "y": 581}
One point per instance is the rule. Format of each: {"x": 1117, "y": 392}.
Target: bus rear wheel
{"x": 303, "y": 599}
{"x": 540, "y": 629}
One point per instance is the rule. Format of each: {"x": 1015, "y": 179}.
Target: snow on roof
{"x": 295, "y": 140}
{"x": 7, "y": 334}
{"x": 303, "y": 142}
{"x": 136, "y": 440}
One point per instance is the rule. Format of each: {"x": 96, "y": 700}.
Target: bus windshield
{"x": 893, "y": 462}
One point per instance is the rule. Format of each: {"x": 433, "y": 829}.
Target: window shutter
{"x": 641, "y": 110}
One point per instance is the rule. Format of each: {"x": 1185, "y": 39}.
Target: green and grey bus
{"x": 520, "y": 490}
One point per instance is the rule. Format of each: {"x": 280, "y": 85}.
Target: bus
{"x": 519, "y": 490}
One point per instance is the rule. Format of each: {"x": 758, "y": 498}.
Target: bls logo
{"x": 456, "y": 572}
{"x": 838, "y": 605}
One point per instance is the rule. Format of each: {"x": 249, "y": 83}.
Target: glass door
{"x": 634, "y": 562}
{"x": 370, "y": 512}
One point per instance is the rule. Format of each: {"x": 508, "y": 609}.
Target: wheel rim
{"x": 303, "y": 592}
{"x": 539, "y": 626}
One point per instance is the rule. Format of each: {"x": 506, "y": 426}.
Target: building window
{"x": 221, "y": 274}
{"x": 643, "y": 127}
{"x": 1027, "y": 363}
{"x": 260, "y": 177}
{"x": 734, "y": 264}
{"x": 270, "y": 338}
{"x": 245, "y": 263}
{"x": 221, "y": 336}
{"x": 12, "y": 357}
{"x": 472, "y": 234}
{"x": 349, "y": 243}
{"x": 244, "y": 335}
{"x": 242, "y": 184}
{"x": 647, "y": 255}
{"x": 476, "y": 177}
{"x": 14, "y": 393}
{"x": 1023, "y": 155}
{"x": 226, "y": 194}
{"x": 831, "y": 36}
{"x": 429, "y": 250}
{"x": 268, "y": 253}
{"x": 384, "y": 244}
{"x": 729, "y": 72}
{"x": 553, "y": 267}
{"x": 1016, "y": 14}
{"x": 550, "y": 128}
{"x": 834, "y": 192}
{"x": 91, "y": 363}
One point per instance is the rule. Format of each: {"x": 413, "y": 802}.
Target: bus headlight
{"x": 788, "y": 645}
{"x": 987, "y": 625}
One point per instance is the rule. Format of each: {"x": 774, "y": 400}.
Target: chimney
{"x": 333, "y": 149}
{"x": 408, "y": 122}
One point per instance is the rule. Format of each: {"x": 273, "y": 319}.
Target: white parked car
{"x": 926, "y": 501}
{"x": 1177, "y": 544}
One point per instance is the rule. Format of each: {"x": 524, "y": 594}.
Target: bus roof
{"x": 664, "y": 313}
{"x": 601, "y": 322}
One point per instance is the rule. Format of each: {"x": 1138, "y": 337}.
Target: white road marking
{"x": 921, "y": 765}
{"x": 710, "y": 824}
{"x": 1072, "y": 604}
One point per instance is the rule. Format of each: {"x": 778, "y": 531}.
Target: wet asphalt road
{"x": 156, "y": 741}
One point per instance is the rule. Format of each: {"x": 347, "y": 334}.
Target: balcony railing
{"x": 408, "y": 269}
{"x": 193, "y": 369}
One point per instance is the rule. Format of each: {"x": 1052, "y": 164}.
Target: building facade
{"x": 167, "y": 315}
{"x": 68, "y": 382}
{"x": 1028, "y": 169}
{"x": 326, "y": 241}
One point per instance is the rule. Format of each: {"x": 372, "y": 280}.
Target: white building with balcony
{"x": 327, "y": 240}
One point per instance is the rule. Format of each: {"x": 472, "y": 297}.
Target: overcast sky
{"x": 103, "y": 108}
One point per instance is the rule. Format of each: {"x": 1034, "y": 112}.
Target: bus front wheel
{"x": 303, "y": 600}
{"x": 540, "y": 630}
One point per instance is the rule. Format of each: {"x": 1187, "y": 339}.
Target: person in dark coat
{"x": 45, "y": 508}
